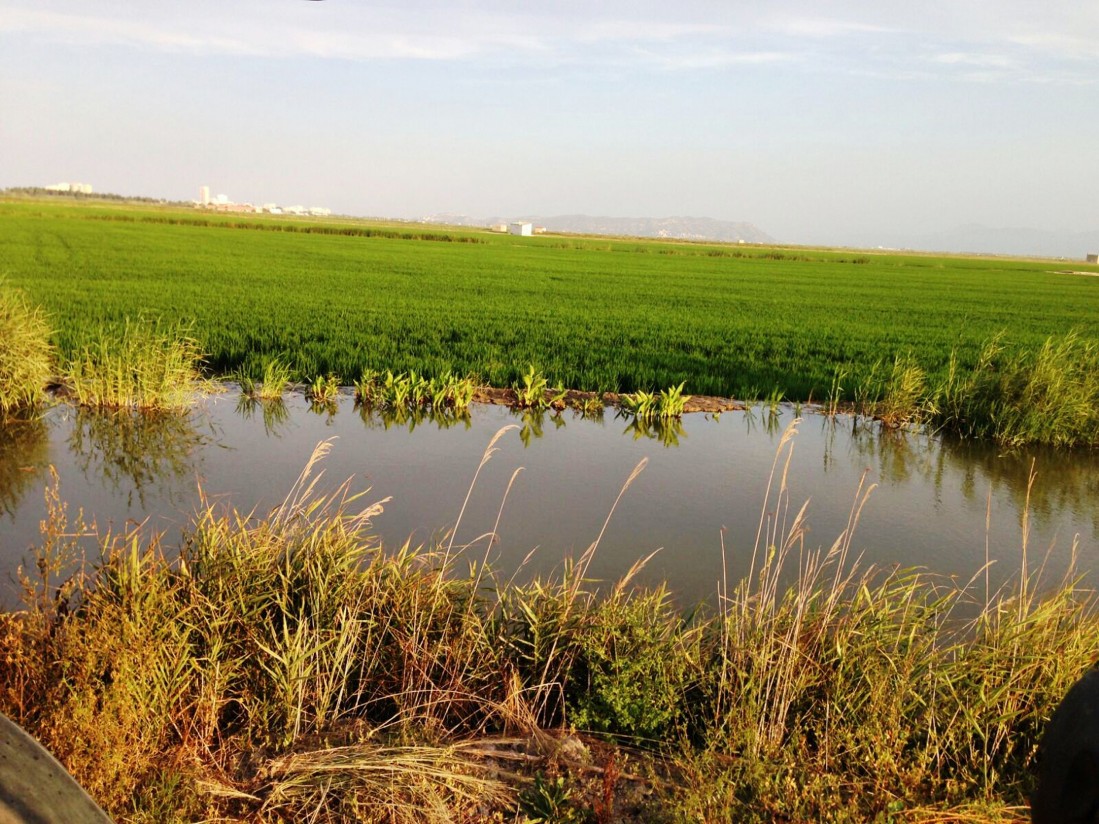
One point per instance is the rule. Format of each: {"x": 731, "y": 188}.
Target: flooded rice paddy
{"x": 937, "y": 505}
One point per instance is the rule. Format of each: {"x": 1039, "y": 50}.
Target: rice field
{"x": 339, "y": 297}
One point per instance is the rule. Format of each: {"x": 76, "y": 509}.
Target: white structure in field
{"x": 1093, "y": 258}
{"x": 521, "y": 229}
{"x": 204, "y": 195}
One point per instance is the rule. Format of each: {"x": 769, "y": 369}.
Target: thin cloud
{"x": 720, "y": 58}
{"x": 87, "y": 30}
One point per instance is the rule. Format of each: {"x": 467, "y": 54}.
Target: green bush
{"x": 636, "y": 663}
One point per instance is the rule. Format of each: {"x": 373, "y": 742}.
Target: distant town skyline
{"x": 841, "y": 124}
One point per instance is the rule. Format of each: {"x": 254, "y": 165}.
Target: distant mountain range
{"x": 974, "y": 237}
{"x": 675, "y": 228}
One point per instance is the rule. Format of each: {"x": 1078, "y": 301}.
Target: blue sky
{"x": 844, "y": 123}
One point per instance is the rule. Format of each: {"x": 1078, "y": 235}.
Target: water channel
{"x": 935, "y": 504}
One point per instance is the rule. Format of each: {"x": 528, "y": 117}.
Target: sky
{"x": 846, "y": 123}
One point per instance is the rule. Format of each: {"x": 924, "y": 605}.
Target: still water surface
{"x": 703, "y": 482}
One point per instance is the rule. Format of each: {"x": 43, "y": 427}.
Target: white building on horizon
{"x": 78, "y": 188}
{"x": 521, "y": 229}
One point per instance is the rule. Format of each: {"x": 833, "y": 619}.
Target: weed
{"x": 550, "y": 801}
{"x": 26, "y": 355}
{"x": 1015, "y": 397}
{"x": 534, "y": 392}
{"x": 143, "y": 365}
{"x": 276, "y": 379}
{"x": 323, "y": 391}
{"x": 668, "y": 403}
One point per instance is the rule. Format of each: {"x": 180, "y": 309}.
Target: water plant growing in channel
{"x": 413, "y": 391}
{"x": 533, "y": 392}
{"x": 323, "y": 391}
{"x": 668, "y": 403}
{"x": 26, "y": 355}
{"x": 139, "y": 365}
{"x": 273, "y": 384}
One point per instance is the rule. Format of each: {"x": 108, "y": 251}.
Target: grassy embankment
{"x": 287, "y": 668}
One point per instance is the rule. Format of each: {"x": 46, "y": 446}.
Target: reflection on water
{"x": 23, "y": 453}
{"x": 667, "y": 431}
{"x": 403, "y": 417}
{"x": 532, "y": 423}
{"x": 1063, "y": 481}
{"x": 134, "y": 451}
{"x": 273, "y": 412}
{"x": 928, "y": 507}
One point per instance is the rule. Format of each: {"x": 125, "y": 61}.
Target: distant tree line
{"x": 41, "y": 191}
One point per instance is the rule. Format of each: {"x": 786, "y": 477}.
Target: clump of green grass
{"x": 1016, "y": 396}
{"x": 26, "y": 355}
{"x": 901, "y": 398}
{"x": 142, "y": 365}
{"x": 275, "y": 381}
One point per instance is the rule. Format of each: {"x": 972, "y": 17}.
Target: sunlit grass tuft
{"x": 1013, "y": 396}
{"x": 26, "y": 355}
{"x": 142, "y": 365}
{"x": 275, "y": 381}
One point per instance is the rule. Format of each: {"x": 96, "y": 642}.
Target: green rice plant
{"x": 142, "y": 365}
{"x": 774, "y": 400}
{"x": 86, "y": 265}
{"x": 591, "y": 407}
{"x": 835, "y": 394}
{"x": 26, "y": 355}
